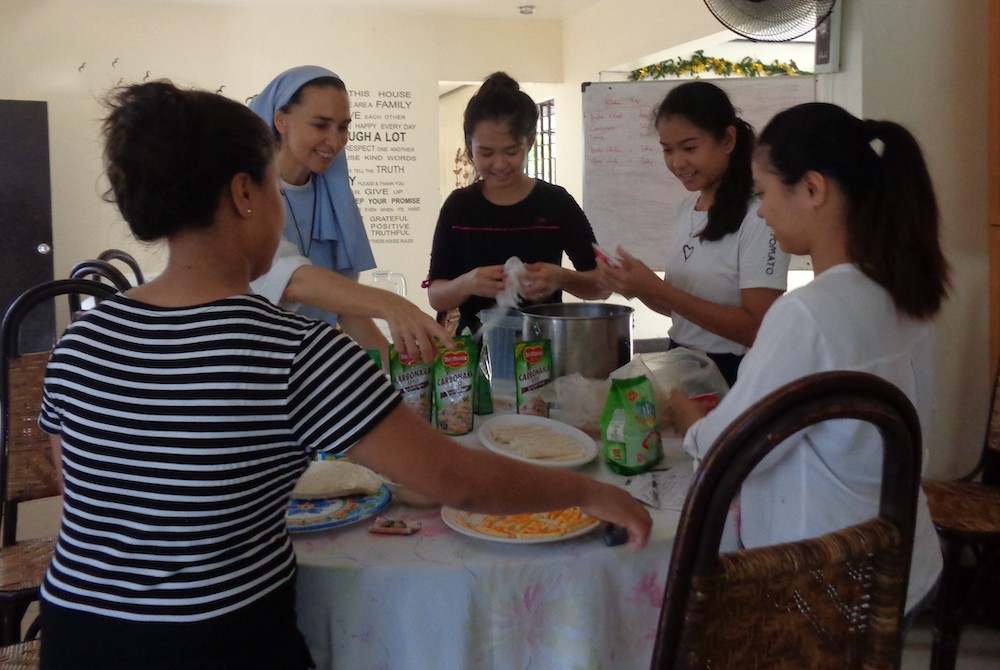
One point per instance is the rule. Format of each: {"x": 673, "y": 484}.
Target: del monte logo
{"x": 533, "y": 354}
{"x": 455, "y": 359}
{"x": 409, "y": 359}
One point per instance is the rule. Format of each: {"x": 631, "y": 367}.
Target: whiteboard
{"x": 630, "y": 197}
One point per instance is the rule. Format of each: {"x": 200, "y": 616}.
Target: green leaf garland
{"x": 700, "y": 64}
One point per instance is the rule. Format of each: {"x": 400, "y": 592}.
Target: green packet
{"x": 376, "y": 357}
{"x": 454, "y": 375}
{"x": 532, "y": 373}
{"x": 412, "y": 376}
{"x": 630, "y": 429}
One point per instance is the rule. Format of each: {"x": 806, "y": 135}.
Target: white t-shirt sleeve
{"x": 272, "y": 284}
{"x": 762, "y": 263}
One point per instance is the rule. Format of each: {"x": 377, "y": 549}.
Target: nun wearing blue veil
{"x": 308, "y": 109}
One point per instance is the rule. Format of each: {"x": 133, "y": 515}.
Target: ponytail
{"x": 894, "y": 237}
{"x": 732, "y": 198}
{"x": 892, "y": 223}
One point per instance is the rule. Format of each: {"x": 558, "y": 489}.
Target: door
{"x": 26, "y": 212}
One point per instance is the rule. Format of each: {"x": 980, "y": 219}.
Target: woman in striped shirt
{"x": 184, "y": 410}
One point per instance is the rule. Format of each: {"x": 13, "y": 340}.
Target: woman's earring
{"x": 249, "y": 211}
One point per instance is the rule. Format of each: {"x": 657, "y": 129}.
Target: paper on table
{"x": 663, "y": 489}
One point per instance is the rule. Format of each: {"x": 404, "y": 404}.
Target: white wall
{"x": 44, "y": 44}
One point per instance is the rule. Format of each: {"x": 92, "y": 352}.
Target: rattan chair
{"x": 126, "y": 258}
{"x": 20, "y": 656}
{"x": 833, "y": 601}
{"x": 966, "y": 514}
{"x": 26, "y": 468}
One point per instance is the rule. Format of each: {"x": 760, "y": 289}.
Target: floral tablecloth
{"x": 438, "y": 600}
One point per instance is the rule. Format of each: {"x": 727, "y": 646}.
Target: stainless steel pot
{"x": 591, "y": 338}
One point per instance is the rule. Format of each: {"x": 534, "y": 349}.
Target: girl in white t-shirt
{"x": 856, "y": 196}
{"x": 723, "y": 268}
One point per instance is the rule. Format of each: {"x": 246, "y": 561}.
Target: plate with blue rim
{"x": 324, "y": 514}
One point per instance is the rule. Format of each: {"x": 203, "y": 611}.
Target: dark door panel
{"x": 26, "y": 211}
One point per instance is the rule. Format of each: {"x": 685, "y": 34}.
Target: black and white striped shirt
{"x": 183, "y": 432}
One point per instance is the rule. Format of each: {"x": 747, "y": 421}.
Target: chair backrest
{"x": 95, "y": 269}
{"x": 126, "y": 258}
{"x": 26, "y": 468}
{"x": 833, "y": 601}
{"x": 989, "y": 462}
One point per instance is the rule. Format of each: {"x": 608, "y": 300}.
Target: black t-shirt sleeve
{"x": 578, "y": 236}
{"x": 444, "y": 253}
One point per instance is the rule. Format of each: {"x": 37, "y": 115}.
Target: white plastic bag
{"x": 580, "y": 401}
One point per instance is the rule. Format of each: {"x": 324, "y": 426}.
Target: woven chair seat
{"x": 20, "y": 656}
{"x": 967, "y": 508}
{"x": 22, "y": 565}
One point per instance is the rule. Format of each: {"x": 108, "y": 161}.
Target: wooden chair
{"x": 26, "y": 468}
{"x": 966, "y": 514}
{"x": 126, "y": 258}
{"x": 833, "y": 601}
{"x": 95, "y": 270}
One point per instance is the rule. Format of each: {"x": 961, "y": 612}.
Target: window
{"x": 541, "y": 162}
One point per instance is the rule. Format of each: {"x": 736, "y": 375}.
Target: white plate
{"x": 464, "y": 522}
{"x": 587, "y": 442}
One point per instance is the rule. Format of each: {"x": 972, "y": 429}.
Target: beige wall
{"x": 901, "y": 61}
{"x": 924, "y": 64}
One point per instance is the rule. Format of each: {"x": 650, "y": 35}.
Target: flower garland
{"x": 700, "y": 64}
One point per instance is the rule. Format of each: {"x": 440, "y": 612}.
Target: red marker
{"x": 613, "y": 261}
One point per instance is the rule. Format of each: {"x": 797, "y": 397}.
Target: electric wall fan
{"x": 770, "y": 20}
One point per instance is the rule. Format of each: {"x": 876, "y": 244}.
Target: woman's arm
{"x": 365, "y": 332}
{"x": 737, "y": 323}
{"x": 486, "y": 282}
{"x": 541, "y": 280}
{"x": 412, "y": 330}
{"x": 55, "y": 441}
{"x": 406, "y": 449}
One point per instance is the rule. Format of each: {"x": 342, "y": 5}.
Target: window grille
{"x": 541, "y": 163}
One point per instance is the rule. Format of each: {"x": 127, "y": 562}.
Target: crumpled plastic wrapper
{"x": 581, "y": 400}
{"x": 509, "y": 298}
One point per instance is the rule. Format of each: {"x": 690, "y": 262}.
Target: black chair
{"x": 27, "y": 471}
{"x": 966, "y": 515}
{"x": 96, "y": 270}
{"x": 126, "y": 258}
{"x": 834, "y": 601}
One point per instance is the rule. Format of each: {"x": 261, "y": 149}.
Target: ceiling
{"x": 550, "y": 10}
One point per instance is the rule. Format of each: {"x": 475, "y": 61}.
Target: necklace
{"x": 306, "y": 248}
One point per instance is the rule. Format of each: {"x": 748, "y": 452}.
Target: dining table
{"x": 442, "y": 600}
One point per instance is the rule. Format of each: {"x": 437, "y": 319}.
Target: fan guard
{"x": 770, "y": 20}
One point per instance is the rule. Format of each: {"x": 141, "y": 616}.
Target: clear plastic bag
{"x": 580, "y": 401}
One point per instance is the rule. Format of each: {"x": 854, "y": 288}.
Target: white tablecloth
{"x": 438, "y": 600}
